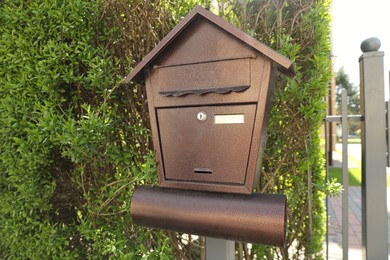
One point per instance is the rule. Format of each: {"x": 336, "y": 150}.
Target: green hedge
{"x": 68, "y": 164}
{"x": 293, "y": 162}
{"x": 75, "y": 140}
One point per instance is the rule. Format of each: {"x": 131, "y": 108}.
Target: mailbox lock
{"x": 201, "y": 116}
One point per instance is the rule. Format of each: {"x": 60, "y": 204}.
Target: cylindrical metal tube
{"x": 256, "y": 218}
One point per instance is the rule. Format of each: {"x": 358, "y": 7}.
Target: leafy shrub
{"x": 69, "y": 160}
{"x": 293, "y": 162}
{"x": 75, "y": 140}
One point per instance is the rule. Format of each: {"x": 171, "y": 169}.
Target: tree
{"x": 353, "y": 99}
{"x": 343, "y": 82}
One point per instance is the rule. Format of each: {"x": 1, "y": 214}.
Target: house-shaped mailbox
{"x": 208, "y": 89}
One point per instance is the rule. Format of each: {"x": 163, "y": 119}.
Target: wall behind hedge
{"x": 75, "y": 140}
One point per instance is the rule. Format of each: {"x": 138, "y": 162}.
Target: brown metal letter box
{"x": 208, "y": 87}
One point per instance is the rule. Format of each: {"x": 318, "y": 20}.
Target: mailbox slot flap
{"x": 220, "y": 77}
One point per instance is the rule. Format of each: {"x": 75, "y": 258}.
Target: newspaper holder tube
{"x": 255, "y": 218}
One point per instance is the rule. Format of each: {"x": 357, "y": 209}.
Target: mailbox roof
{"x": 283, "y": 64}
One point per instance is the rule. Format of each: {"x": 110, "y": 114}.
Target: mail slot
{"x": 209, "y": 88}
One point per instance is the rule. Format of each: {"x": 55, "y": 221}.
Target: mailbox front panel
{"x": 206, "y": 144}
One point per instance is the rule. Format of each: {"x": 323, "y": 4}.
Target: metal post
{"x": 343, "y": 119}
{"x": 374, "y": 207}
{"x": 219, "y": 249}
{"x": 345, "y": 175}
{"x": 329, "y": 144}
{"x": 327, "y": 198}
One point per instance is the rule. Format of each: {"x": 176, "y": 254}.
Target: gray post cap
{"x": 370, "y": 44}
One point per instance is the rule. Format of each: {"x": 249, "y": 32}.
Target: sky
{"x": 353, "y": 21}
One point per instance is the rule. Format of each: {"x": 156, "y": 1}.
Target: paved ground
{"x": 355, "y": 219}
{"x": 355, "y": 230}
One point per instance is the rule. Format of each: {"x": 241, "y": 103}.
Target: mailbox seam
{"x": 209, "y": 105}
{"x": 259, "y": 121}
{"x": 160, "y": 146}
{"x": 250, "y": 149}
{"x": 155, "y": 67}
{"x": 253, "y": 129}
{"x": 192, "y": 182}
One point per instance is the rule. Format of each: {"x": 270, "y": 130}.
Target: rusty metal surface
{"x": 256, "y": 218}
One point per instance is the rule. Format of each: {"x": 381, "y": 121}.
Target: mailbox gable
{"x": 200, "y": 18}
{"x": 209, "y": 89}
{"x": 203, "y": 41}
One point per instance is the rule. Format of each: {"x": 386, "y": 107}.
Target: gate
{"x": 374, "y": 140}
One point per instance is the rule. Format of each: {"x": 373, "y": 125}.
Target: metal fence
{"x": 374, "y": 152}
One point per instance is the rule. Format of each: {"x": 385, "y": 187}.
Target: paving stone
{"x": 355, "y": 229}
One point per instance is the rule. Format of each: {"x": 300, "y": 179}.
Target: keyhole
{"x": 201, "y": 116}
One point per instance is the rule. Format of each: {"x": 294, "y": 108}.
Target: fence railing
{"x": 374, "y": 149}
